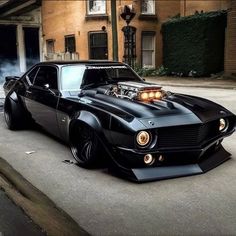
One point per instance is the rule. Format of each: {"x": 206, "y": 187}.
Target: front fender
{"x": 87, "y": 118}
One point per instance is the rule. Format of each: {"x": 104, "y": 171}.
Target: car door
{"x": 42, "y": 97}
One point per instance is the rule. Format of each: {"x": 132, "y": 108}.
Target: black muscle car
{"x": 102, "y": 107}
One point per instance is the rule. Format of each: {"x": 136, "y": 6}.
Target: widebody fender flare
{"x": 14, "y": 102}
{"x": 87, "y": 118}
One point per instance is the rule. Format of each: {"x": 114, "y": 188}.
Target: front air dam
{"x": 167, "y": 172}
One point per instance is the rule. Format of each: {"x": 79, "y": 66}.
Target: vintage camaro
{"x": 102, "y": 107}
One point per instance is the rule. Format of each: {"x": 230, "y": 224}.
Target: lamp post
{"x": 114, "y": 30}
{"x": 129, "y": 35}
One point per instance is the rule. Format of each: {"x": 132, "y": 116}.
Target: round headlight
{"x": 143, "y": 138}
{"x": 222, "y": 125}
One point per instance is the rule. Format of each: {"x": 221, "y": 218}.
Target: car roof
{"x": 85, "y": 62}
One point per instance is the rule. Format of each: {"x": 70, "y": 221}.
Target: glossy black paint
{"x": 116, "y": 122}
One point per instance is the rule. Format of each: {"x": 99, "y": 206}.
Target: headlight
{"x": 143, "y": 138}
{"x": 223, "y": 125}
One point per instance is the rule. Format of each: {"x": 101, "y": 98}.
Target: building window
{"x": 50, "y": 46}
{"x": 98, "y": 45}
{"x": 148, "y": 7}
{"x": 148, "y": 49}
{"x": 70, "y": 43}
{"x": 96, "y": 7}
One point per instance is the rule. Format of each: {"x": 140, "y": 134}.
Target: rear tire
{"x": 10, "y": 118}
{"x": 85, "y": 146}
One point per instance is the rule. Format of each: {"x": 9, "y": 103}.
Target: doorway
{"x": 31, "y": 40}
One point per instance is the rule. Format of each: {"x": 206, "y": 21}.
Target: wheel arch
{"x": 87, "y": 118}
{"x": 91, "y": 120}
{"x": 12, "y": 102}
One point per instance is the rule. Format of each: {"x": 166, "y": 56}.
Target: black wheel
{"x": 10, "y": 118}
{"x": 85, "y": 146}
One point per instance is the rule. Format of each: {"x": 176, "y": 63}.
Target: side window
{"x": 30, "y": 77}
{"x": 46, "y": 75}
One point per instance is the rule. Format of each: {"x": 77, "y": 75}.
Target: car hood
{"x": 175, "y": 109}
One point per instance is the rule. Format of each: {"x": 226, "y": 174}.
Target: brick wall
{"x": 230, "y": 43}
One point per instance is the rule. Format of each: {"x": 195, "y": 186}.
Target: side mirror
{"x": 46, "y": 86}
{"x": 8, "y": 78}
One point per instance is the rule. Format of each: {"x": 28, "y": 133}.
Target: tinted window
{"x": 46, "y": 75}
{"x": 71, "y": 77}
{"x": 30, "y": 77}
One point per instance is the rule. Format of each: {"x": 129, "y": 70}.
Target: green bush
{"x": 145, "y": 72}
{"x": 194, "y": 45}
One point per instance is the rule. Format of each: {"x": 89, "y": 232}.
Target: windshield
{"x": 74, "y": 77}
{"x": 97, "y": 75}
{"x": 71, "y": 77}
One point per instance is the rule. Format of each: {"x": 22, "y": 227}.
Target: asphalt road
{"x": 106, "y": 205}
{"x": 13, "y": 222}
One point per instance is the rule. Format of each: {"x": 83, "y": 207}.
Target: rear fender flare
{"x": 12, "y": 100}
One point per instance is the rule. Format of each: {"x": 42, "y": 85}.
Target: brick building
{"x": 84, "y": 27}
{"x": 230, "y": 43}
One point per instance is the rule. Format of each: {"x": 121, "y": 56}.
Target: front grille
{"x": 187, "y": 135}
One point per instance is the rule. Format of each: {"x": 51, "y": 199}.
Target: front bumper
{"x": 177, "y": 164}
{"x": 166, "y": 172}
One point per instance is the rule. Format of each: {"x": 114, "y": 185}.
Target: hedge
{"x": 194, "y": 45}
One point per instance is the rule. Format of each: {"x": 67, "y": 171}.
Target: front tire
{"x": 85, "y": 146}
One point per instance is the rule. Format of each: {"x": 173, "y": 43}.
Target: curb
{"x": 36, "y": 204}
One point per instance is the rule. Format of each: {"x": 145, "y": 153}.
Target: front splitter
{"x": 166, "y": 172}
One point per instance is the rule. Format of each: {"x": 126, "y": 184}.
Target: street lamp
{"x": 129, "y": 36}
